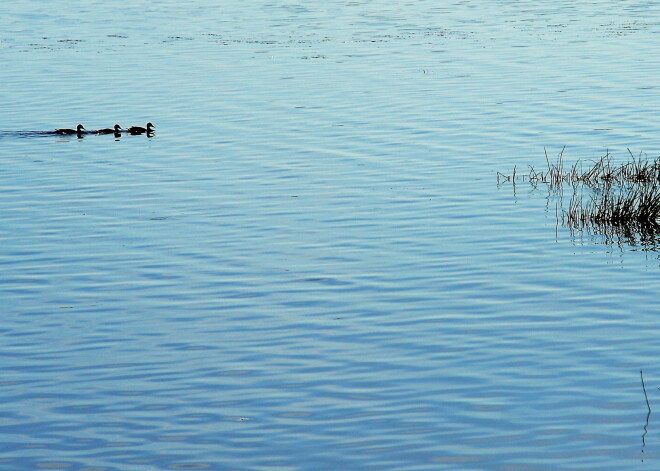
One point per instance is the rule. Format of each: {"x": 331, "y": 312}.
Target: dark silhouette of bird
{"x": 80, "y": 129}
{"x": 115, "y": 130}
{"x": 134, "y": 130}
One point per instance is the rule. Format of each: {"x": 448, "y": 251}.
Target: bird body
{"x": 115, "y": 130}
{"x": 140, "y": 130}
{"x": 65, "y": 131}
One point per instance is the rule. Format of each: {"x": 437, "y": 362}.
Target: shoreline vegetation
{"x": 620, "y": 201}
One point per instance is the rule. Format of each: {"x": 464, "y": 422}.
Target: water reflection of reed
{"x": 631, "y": 233}
{"x": 619, "y": 202}
{"x": 636, "y": 204}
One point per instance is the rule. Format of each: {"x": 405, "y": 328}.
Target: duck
{"x": 79, "y": 130}
{"x": 115, "y": 130}
{"x": 140, "y": 130}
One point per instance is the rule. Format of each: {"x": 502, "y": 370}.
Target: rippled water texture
{"x": 311, "y": 265}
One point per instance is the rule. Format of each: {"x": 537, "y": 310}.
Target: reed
{"x": 618, "y": 201}
{"x": 590, "y": 172}
{"x": 616, "y": 205}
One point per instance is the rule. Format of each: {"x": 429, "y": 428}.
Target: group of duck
{"x": 116, "y": 130}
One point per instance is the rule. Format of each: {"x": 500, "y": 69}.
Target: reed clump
{"x": 634, "y": 203}
{"x": 590, "y": 172}
{"x": 618, "y": 201}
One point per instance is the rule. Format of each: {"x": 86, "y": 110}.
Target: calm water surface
{"x": 311, "y": 265}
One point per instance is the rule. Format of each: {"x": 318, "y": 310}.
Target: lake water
{"x": 311, "y": 264}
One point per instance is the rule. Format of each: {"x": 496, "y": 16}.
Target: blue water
{"x": 311, "y": 264}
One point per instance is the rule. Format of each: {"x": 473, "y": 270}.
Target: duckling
{"x": 115, "y": 130}
{"x": 134, "y": 130}
{"x": 79, "y": 130}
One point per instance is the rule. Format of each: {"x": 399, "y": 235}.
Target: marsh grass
{"x": 631, "y": 233}
{"x": 638, "y": 203}
{"x": 618, "y": 201}
{"x": 627, "y": 214}
{"x": 589, "y": 172}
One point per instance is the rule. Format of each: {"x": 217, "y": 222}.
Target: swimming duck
{"x": 115, "y": 130}
{"x": 140, "y": 130}
{"x": 79, "y": 130}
